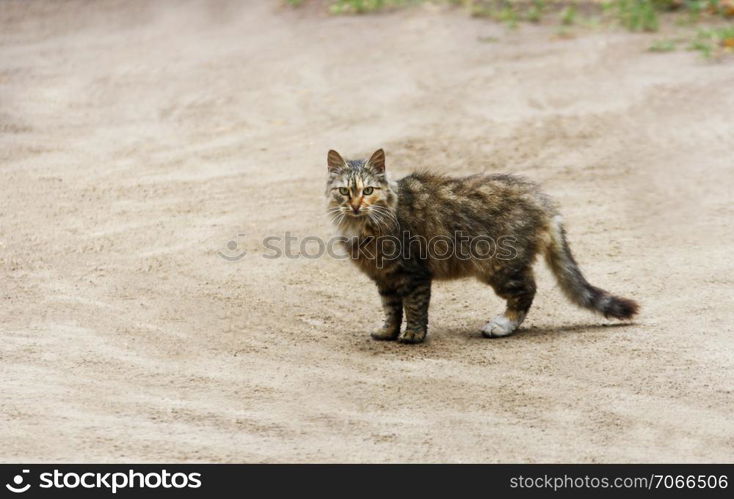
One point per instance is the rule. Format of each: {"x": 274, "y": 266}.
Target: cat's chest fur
{"x": 365, "y": 248}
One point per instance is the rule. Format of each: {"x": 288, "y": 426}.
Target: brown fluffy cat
{"x": 423, "y": 227}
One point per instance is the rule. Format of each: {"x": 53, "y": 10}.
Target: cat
{"x": 509, "y": 214}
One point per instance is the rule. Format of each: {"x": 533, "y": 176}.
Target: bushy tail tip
{"x": 575, "y": 286}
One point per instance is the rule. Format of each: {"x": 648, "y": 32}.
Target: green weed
{"x": 635, "y": 15}
{"x": 568, "y": 15}
{"x": 662, "y": 46}
{"x": 711, "y": 42}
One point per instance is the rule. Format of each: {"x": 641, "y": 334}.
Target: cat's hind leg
{"x": 518, "y": 288}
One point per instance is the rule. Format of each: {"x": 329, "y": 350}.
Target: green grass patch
{"x": 535, "y": 11}
{"x": 713, "y": 42}
{"x": 568, "y": 15}
{"x": 635, "y": 15}
{"x": 366, "y": 6}
{"x": 662, "y": 46}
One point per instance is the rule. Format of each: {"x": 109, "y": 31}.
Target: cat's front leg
{"x": 416, "y": 303}
{"x": 392, "y": 305}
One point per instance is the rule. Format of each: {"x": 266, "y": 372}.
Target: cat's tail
{"x": 575, "y": 286}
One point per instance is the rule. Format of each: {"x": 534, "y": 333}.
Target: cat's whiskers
{"x": 336, "y": 215}
{"x": 384, "y": 217}
{"x": 339, "y": 219}
{"x": 380, "y": 223}
{"x": 377, "y": 220}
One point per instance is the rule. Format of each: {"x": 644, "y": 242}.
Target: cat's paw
{"x": 386, "y": 334}
{"x": 412, "y": 336}
{"x": 499, "y": 326}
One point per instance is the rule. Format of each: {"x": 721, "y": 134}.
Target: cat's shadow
{"x": 537, "y": 331}
{"x": 467, "y": 336}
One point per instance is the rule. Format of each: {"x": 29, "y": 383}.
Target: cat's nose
{"x": 355, "y": 209}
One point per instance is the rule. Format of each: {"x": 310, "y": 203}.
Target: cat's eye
{"x": 343, "y": 191}
{"x": 368, "y": 190}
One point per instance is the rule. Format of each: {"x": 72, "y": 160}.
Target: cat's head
{"x": 358, "y": 190}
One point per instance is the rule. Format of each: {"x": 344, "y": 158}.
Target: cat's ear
{"x": 335, "y": 161}
{"x": 377, "y": 160}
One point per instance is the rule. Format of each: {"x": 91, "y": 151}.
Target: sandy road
{"x": 136, "y": 140}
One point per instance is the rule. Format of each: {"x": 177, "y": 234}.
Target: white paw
{"x": 499, "y": 326}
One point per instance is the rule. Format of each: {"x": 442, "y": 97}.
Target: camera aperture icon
{"x": 232, "y": 253}
{"x": 17, "y": 486}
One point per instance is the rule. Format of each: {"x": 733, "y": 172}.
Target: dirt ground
{"x": 138, "y": 138}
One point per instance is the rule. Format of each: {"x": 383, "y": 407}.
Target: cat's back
{"x": 425, "y": 192}
{"x": 494, "y": 206}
